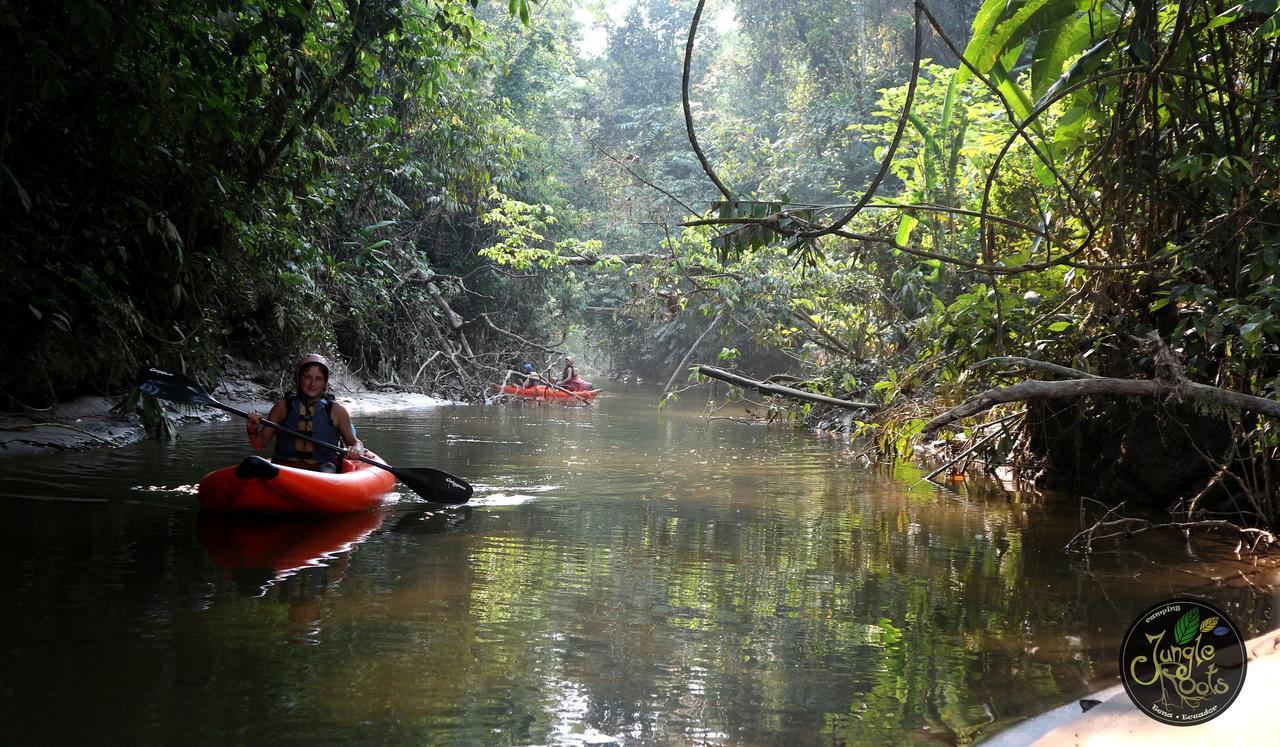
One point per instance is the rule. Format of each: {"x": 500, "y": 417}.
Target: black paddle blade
{"x": 434, "y": 485}
{"x": 173, "y": 387}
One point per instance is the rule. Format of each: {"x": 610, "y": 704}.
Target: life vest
{"x": 315, "y": 421}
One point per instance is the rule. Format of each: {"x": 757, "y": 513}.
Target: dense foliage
{"x": 430, "y": 189}
{"x": 1087, "y": 180}
{"x": 1089, "y": 185}
{"x": 184, "y": 179}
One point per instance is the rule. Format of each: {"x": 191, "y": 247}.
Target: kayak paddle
{"x": 431, "y": 484}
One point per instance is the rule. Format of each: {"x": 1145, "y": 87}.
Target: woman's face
{"x": 312, "y": 381}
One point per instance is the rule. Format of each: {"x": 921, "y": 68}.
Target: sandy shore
{"x": 89, "y": 422}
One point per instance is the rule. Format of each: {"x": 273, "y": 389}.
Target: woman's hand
{"x": 355, "y": 450}
{"x": 252, "y": 428}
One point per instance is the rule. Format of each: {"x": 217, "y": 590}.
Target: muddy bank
{"x": 96, "y": 422}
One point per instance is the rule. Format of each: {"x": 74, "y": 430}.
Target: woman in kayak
{"x": 312, "y": 410}
{"x": 569, "y": 378}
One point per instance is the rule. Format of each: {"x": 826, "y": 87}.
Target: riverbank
{"x": 95, "y": 422}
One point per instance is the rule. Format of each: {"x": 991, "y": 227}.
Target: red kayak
{"x": 542, "y": 391}
{"x": 258, "y": 486}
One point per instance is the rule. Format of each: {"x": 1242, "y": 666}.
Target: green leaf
{"x": 1053, "y": 48}
{"x": 1079, "y": 70}
{"x": 1017, "y": 100}
{"x": 1142, "y": 52}
{"x": 983, "y": 24}
{"x": 1227, "y": 16}
{"x": 1014, "y": 23}
{"x": 905, "y": 226}
{"x": 1270, "y": 29}
{"x": 22, "y": 193}
{"x": 1187, "y": 626}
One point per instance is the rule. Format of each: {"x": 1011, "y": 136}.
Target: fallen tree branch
{"x": 1012, "y": 360}
{"x": 1098, "y": 385}
{"x": 782, "y": 391}
{"x": 451, "y": 316}
{"x": 1130, "y": 527}
{"x": 958, "y": 457}
{"x": 689, "y": 353}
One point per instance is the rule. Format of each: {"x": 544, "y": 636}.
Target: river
{"x": 623, "y": 575}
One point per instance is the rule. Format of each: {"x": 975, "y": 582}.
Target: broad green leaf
{"x": 1079, "y": 70}
{"x": 1270, "y": 29}
{"x": 948, "y": 105}
{"x": 907, "y": 223}
{"x": 1014, "y": 96}
{"x": 1054, "y": 47}
{"x": 1187, "y": 626}
{"x": 1016, "y": 22}
{"x": 1229, "y": 15}
{"x": 983, "y": 24}
{"x": 1142, "y": 52}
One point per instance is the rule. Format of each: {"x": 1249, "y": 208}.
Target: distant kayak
{"x": 259, "y": 486}
{"x": 542, "y": 391}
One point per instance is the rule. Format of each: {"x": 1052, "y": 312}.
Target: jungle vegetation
{"x": 902, "y": 205}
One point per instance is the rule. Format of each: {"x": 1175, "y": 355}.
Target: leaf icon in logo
{"x": 1221, "y": 630}
{"x": 1187, "y": 626}
{"x": 1209, "y": 624}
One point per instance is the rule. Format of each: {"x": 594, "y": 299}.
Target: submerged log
{"x": 782, "y": 391}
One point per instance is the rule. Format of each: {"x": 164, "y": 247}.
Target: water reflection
{"x": 432, "y": 520}
{"x": 621, "y": 574}
{"x": 302, "y": 557}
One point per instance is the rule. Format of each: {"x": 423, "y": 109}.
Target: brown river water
{"x": 623, "y": 575}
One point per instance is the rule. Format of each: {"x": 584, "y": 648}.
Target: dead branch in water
{"x": 782, "y": 391}
{"x": 671, "y": 382}
{"x": 1170, "y": 382}
{"x": 1127, "y": 527}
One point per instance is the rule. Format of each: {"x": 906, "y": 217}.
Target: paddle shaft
{"x": 432, "y": 484}
{"x": 236, "y": 411}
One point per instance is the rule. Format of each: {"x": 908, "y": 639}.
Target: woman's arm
{"x": 342, "y": 419}
{"x": 259, "y": 434}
